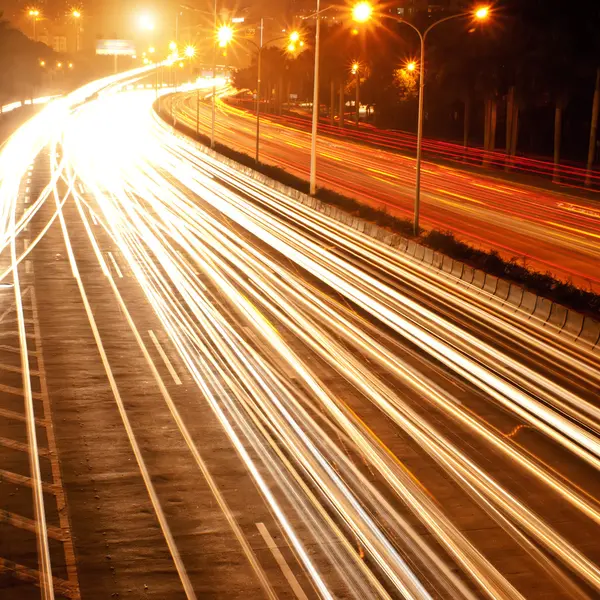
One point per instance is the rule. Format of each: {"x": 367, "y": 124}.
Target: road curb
{"x": 568, "y": 323}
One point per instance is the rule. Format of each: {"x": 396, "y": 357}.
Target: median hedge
{"x": 542, "y": 284}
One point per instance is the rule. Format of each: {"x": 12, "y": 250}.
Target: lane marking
{"x": 115, "y": 265}
{"x": 165, "y": 358}
{"x": 287, "y": 572}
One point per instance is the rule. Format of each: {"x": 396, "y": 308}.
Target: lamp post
{"x": 363, "y": 12}
{"x": 315, "y": 115}
{"x": 223, "y": 36}
{"x": 356, "y": 72}
{"x": 294, "y": 38}
{"x": 315, "y": 111}
{"x": 34, "y": 13}
{"x": 76, "y": 14}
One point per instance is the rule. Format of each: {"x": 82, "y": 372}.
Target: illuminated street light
{"x": 146, "y": 22}
{"x": 173, "y": 47}
{"x": 151, "y": 50}
{"x": 181, "y": 65}
{"x": 363, "y": 12}
{"x": 34, "y": 13}
{"x": 42, "y": 63}
{"x": 59, "y": 65}
{"x": 224, "y": 35}
{"x": 482, "y": 13}
{"x": 70, "y": 65}
{"x": 356, "y": 73}
{"x": 190, "y": 51}
{"x": 146, "y": 61}
{"x": 411, "y": 66}
{"x": 76, "y": 14}
{"x": 294, "y": 38}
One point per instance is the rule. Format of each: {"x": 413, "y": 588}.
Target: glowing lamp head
{"x": 355, "y": 67}
{"x": 34, "y": 12}
{"x": 291, "y": 47}
{"x": 190, "y": 51}
{"x": 59, "y": 65}
{"x": 362, "y": 12}
{"x": 42, "y": 63}
{"x": 76, "y": 14}
{"x": 224, "y": 35}
{"x": 70, "y": 65}
{"x": 172, "y": 46}
{"x": 146, "y": 23}
{"x": 482, "y": 13}
{"x": 294, "y": 37}
{"x": 411, "y": 66}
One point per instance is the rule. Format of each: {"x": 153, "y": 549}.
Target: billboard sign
{"x": 115, "y": 47}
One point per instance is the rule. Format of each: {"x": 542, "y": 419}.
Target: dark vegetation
{"x": 22, "y": 75}
{"x": 542, "y": 284}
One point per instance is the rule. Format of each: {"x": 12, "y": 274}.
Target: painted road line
{"x": 287, "y": 572}
{"x": 115, "y": 265}
{"x": 165, "y": 358}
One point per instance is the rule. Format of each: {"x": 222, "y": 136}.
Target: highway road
{"x": 211, "y": 391}
{"x": 550, "y": 231}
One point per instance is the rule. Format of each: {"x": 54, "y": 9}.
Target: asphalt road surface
{"x": 549, "y": 231}
{"x": 211, "y": 391}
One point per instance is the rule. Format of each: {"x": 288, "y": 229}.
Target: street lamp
{"x": 363, "y": 12}
{"x": 294, "y": 38}
{"x": 76, "y": 14}
{"x": 356, "y": 73}
{"x": 34, "y": 13}
{"x": 224, "y": 35}
{"x": 190, "y": 51}
{"x": 146, "y": 22}
{"x": 315, "y": 111}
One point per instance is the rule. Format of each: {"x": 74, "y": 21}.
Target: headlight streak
{"x": 149, "y": 218}
{"x": 111, "y": 218}
{"x": 379, "y": 301}
{"x": 426, "y": 437}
